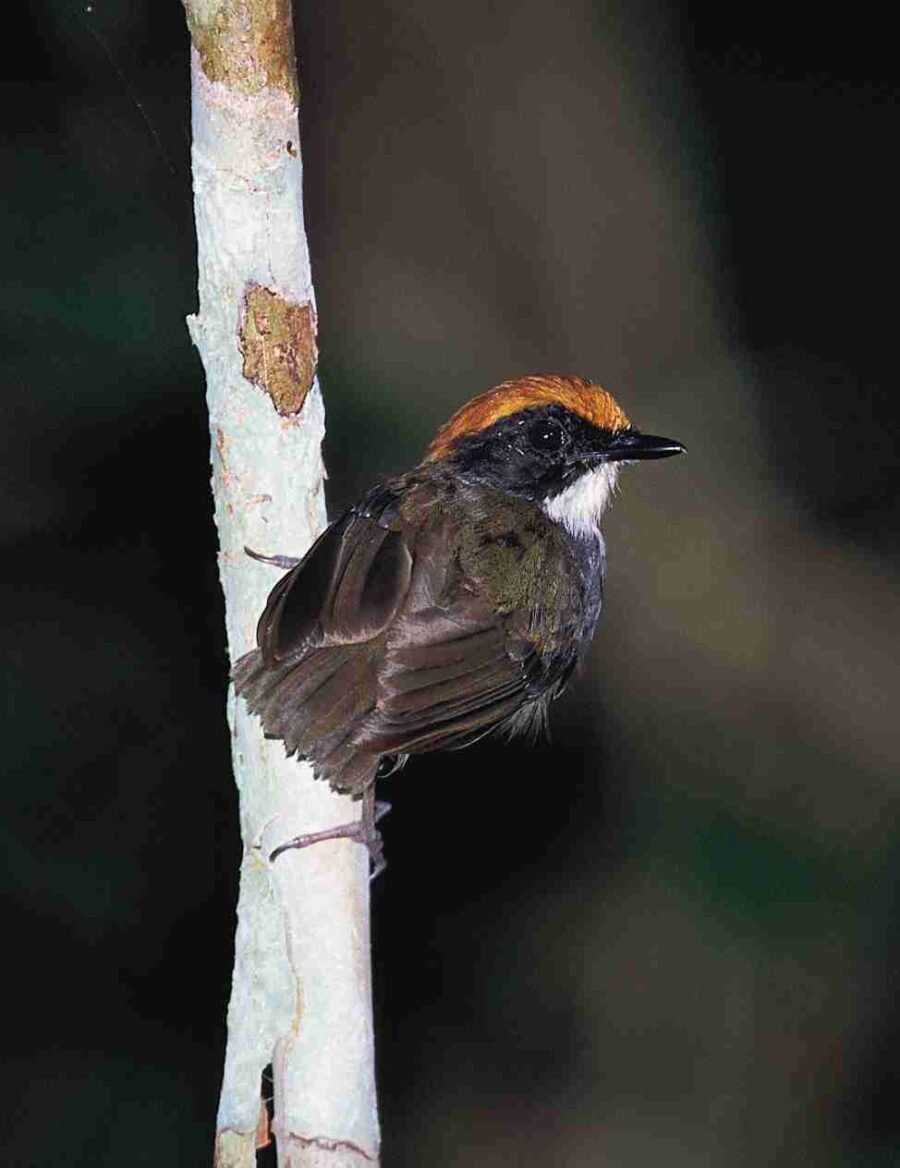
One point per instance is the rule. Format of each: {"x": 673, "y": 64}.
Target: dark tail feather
{"x": 315, "y": 705}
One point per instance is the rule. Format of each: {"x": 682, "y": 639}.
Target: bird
{"x": 452, "y": 601}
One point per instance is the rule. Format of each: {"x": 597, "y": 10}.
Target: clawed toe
{"x": 361, "y": 831}
{"x": 275, "y": 561}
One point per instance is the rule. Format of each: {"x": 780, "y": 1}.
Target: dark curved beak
{"x": 632, "y": 446}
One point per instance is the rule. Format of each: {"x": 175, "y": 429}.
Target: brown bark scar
{"x": 278, "y": 344}
{"x": 263, "y": 1129}
{"x": 329, "y": 1145}
{"x": 247, "y": 46}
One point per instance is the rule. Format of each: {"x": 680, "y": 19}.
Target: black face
{"x": 537, "y": 453}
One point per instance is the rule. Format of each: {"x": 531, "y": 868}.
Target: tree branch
{"x": 301, "y": 993}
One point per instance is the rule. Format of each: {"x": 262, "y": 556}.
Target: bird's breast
{"x": 590, "y": 552}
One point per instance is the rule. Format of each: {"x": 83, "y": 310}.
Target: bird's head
{"x": 558, "y": 441}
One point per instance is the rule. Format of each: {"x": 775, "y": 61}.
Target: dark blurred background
{"x": 669, "y": 937}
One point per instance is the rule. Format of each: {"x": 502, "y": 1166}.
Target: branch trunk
{"x": 301, "y": 993}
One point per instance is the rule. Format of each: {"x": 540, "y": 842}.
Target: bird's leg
{"x": 275, "y": 561}
{"x": 362, "y": 830}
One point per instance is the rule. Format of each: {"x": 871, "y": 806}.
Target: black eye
{"x": 547, "y": 435}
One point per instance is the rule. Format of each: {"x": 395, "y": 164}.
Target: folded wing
{"x": 383, "y": 642}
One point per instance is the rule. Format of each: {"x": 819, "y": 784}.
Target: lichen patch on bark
{"x": 247, "y": 44}
{"x": 278, "y": 344}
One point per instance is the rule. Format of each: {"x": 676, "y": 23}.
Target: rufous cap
{"x": 582, "y": 397}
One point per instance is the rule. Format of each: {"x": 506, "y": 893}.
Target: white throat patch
{"x": 579, "y": 507}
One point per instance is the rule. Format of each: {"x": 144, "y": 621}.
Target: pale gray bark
{"x": 301, "y": 993}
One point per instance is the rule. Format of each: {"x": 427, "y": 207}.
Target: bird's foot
{"x": 361, "y": 831}
{"x": 275, "y": 561}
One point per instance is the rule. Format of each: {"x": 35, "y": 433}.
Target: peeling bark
{"x": 248, "y": 45}
{"x": 301, "y": 992}
{"x": 278, "y": 343}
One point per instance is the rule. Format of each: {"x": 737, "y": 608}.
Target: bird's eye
{"x": 547, "y": 435}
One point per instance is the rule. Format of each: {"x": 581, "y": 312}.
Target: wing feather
{"x": 405, "y": 632}
{"x": 346, "y": 590}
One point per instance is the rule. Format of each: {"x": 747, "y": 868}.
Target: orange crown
{"x": 593, "y": 404}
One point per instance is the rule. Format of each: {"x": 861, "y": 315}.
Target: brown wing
{"x": 388, "y": 638}
{"x": 445, "y": 682}
{"x": 481, "y": 636}
{"x": 313, "y": 678}
{"x": 346, "y": 589}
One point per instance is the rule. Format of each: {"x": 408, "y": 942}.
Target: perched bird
{"x": 452, "y": 600}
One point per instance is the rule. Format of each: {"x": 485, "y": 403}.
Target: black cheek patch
{"x": 502, "y": 456}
